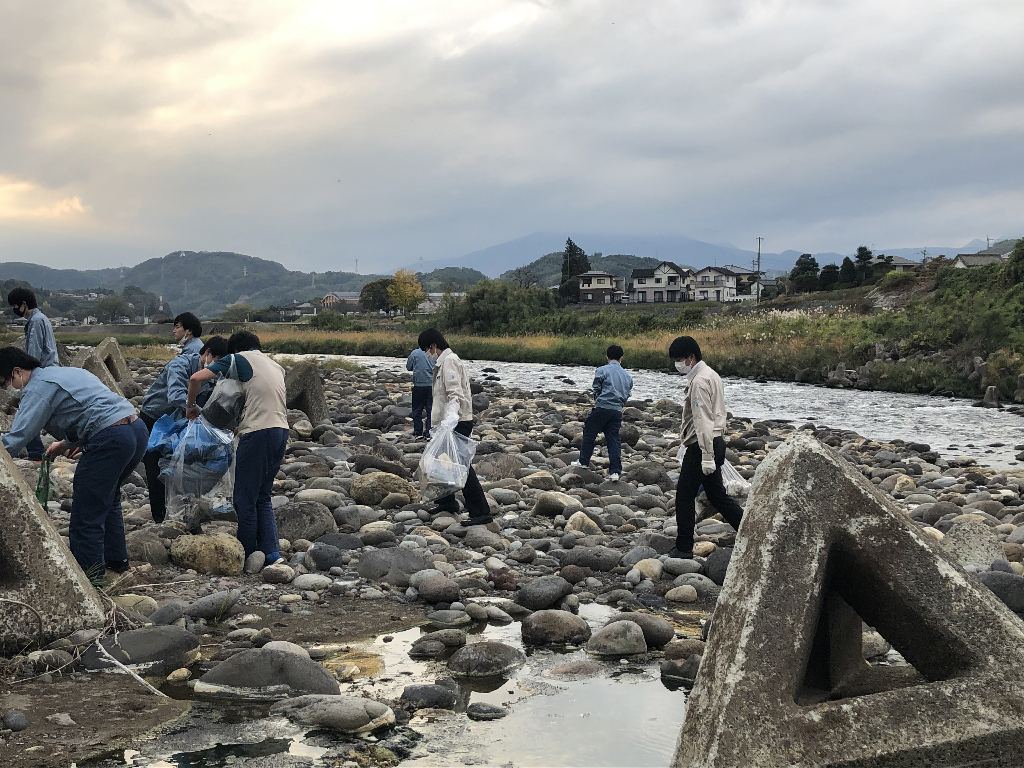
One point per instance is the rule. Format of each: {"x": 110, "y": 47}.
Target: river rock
{"x": 580, "y": 521}
{"x": 649, "y": 568}
{"x": 214, "y": 607}
{"x": 285, "y": 647}
{"x": 477, "y": 537}
{"x": 156, "y": 650}
{"x": 428, "y": 697}
{"x": 144, "y": 546}
{"x": 478, "y": 710}
{"x": 312, "y": 581}
{"x": 304, "y": 520}
{"x": 705, "y": 587}
{"x": 278, "y": 574}
{"x": 683, "y": 594}
{"x": 596, "y": 558}
{"x": 438, "y": 589}
{"x": 323, "y": 557}
{"x": 395, "y": 565}
{"x": 543, "y": 592}
{"x": 553, "y": 503}
{"x": 622, "y": 638}
{"x": 657, "y": 631}
{"x": 1008, "y": 587}
{"x": 373, "y": 488}
{"x": 485, "y": 659}
{"x": 14, "y": 720}
{"x": 973, "y": 542}
{"x": 219, "y": 554}
{"x": 330, "y": 499}
{"x": 342, "y": 714}
{"x": 449, "y": 619}
{"x": 260, "y": 668}
{"x": 141, "y": 604}
{"x": 559, "y": 627}
{"x": 718, "y": 564}
{"x": 677, "y": 566}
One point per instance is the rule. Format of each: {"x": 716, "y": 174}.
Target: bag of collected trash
{"x": 196, "y": 473}
{"x": 735, "y": 484}
{"x": 224, "y": 408}
{"x": 163, "y": 433}
{"x": 446, "y": 460}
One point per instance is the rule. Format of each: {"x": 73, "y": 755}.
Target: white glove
{"x": 451, "y": 415}
{"x": 708, "y": 466}
{"x": 681, "y": 453}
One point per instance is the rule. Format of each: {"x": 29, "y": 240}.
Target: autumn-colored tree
{"x": 405, "y": 292}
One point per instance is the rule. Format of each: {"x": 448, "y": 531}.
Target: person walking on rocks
{"x": 39, "y": 343}
{"x": 612, "y": 388}
{"x": 422, "y": 380}
{"x": 451, "y": 393}
{"x": 77, "y": 408}
{"x": 262, "y": 437}
{"x": 703, "y": 449}
{"x": 167, "y": 395}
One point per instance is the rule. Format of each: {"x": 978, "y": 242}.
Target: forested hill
{"x": 202, "y": 282}
{"x": 548, "y": 269}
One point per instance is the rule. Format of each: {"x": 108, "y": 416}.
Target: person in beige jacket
{"x": 453, "y": 406}
{"x": 703, "y": 451}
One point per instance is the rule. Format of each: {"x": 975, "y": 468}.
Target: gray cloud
{"x": 318, "y": 133}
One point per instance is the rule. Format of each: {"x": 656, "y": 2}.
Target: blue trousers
{"x": 257, "y": 460}
{"x": 422, "y": 401}
{"x": 605, "y": 420}
{"x": 97, "y": 528}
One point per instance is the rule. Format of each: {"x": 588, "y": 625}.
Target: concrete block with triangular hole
{"x": 783, "y": 681}
{"x": 305, "y": 391}
{"x": 109, "y": 351}
{"x": 93, "y": 363}
{"x": 37, "y": 570}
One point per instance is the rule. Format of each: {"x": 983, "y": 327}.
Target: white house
{"x": 761, "y": 284}
{"x": 715, "y": 284}
{"x": 666, "y": 283}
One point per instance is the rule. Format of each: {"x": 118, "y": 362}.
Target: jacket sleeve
{"x": 702, "y": 405}
{"x": 629, "y": 386}
{"x": 409, "y": 364}
{"x": 33, "y": 339}
{"x": 598, "y": 383}
{"x": 33, "y": 413}
{"x": 178, "y": 373}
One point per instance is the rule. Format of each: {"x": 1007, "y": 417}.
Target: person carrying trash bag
{"x": 166, "y": 396}
{"x": 262, "y": 437}
{"x": 77, "y": 408}
{"x": 702, "y": 453}
{"x": 453, "y": 406}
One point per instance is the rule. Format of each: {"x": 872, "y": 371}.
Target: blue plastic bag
{"x": 159, "y": 435}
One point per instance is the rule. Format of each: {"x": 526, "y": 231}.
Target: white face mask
{"x": 432, "y": 357}
{"x": 683, "y": 367}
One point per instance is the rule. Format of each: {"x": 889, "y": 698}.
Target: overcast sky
{"x": 316, "y": 133}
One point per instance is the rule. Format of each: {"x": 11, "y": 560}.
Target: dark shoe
{"x": 434, "y": 511}
{"x": 681, "y": 555}
{"x": 120, "y": 566}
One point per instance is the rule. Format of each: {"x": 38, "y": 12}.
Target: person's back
{"x": 39, "y": 339}
{"x": 264, "y": 389}
{"x": 612, "y": 386}
{"x": 422, "y": 369}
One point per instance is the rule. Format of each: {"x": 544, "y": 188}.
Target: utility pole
{"x": 988, "y": 242}
{"x": 357, "y": 266}
{"x": 758, "y": 270}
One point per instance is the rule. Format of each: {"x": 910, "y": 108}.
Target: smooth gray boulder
{"x": 621, "y": 638}
{"x": 543, "y": 592}
{"x": 342, "y": 714}
{"x": 157, "y": 650}
{"x": 485, "y": 659}
{"x": 285, "y": 673}
{"x": 304, "y": 520}
{"x": 657, "y": 631}
{"x": 555, "y": 627}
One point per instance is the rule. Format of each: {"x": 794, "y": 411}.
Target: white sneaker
{"x": 614, "y": 477}
{"x": 575, "y": 464}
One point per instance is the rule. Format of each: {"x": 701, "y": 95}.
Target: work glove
{"x": 708, "y": 466}
{"x": 451, "y": 415}
{"x": 681, "y": 453}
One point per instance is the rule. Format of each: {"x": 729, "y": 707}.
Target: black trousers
{"x": 157, "y": 494}
{"x": 691, "y": 478}
{"x": 473, "y": 493}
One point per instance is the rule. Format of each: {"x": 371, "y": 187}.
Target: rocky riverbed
{"x": 570, "y": 587}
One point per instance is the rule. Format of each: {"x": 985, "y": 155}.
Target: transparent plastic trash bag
{"x": 734, "y": 482}
{"x": 199, "y": 473}
{"x": 445, "y": 464}
{"x": 224, "y": 408}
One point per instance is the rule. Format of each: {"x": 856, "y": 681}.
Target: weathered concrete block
{"x": 304, "y": 390}
{"x": 109, "y": 352}
{"x": 90, "y": 361}
{"x": 783, "y": 681}
{"x": 36, "y": 569}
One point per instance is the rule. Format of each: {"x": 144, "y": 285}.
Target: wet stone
{"x": 481, "y": 711}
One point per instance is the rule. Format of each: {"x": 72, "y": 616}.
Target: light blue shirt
{"x": 39, "y": 341}
{"x": 69, "y": 403}
{"x": 421, "y": 367}
{"x": 612, "y": 386}
{"x": 169, "y": 391}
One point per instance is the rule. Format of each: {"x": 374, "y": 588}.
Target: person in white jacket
{"x": 703, "y": 451}
{"x": 453, "y": 407}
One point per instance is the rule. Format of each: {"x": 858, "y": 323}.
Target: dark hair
{"x": 19, "y": 295}
{"x": 614, "y": 352}
{"x": 190, "y": 322}
{"x": 243, "y": 341}
{"x": 12, "y": 357}
{"x": 432, "y": 336}
{"x": 684, "y": 346}
{"x": 216, "y": 346}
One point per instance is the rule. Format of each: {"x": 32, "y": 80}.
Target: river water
{"x": 951, "y": 426}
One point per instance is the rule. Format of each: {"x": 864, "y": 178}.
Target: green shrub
{"x": 894, "y": 281}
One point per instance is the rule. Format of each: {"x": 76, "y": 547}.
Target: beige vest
{"x": 264, "y": 395}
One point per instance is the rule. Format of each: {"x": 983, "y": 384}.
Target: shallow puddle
{"x": 598, "y": 713}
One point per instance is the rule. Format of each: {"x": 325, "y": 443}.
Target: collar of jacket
{"x": 446, "y": 353}
{"x": 693, "y": 371}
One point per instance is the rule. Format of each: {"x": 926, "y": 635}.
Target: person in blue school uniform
{"x": 77, "y": 408}
{"x": 39, "y": 342}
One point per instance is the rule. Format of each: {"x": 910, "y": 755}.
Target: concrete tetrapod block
{"x": 90, "y": 361}
{"x": 304, "y": 391}
{"x": 782, "y": 681}
{"x": 109, "y": 352}
{"x": 37, "y": 570}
